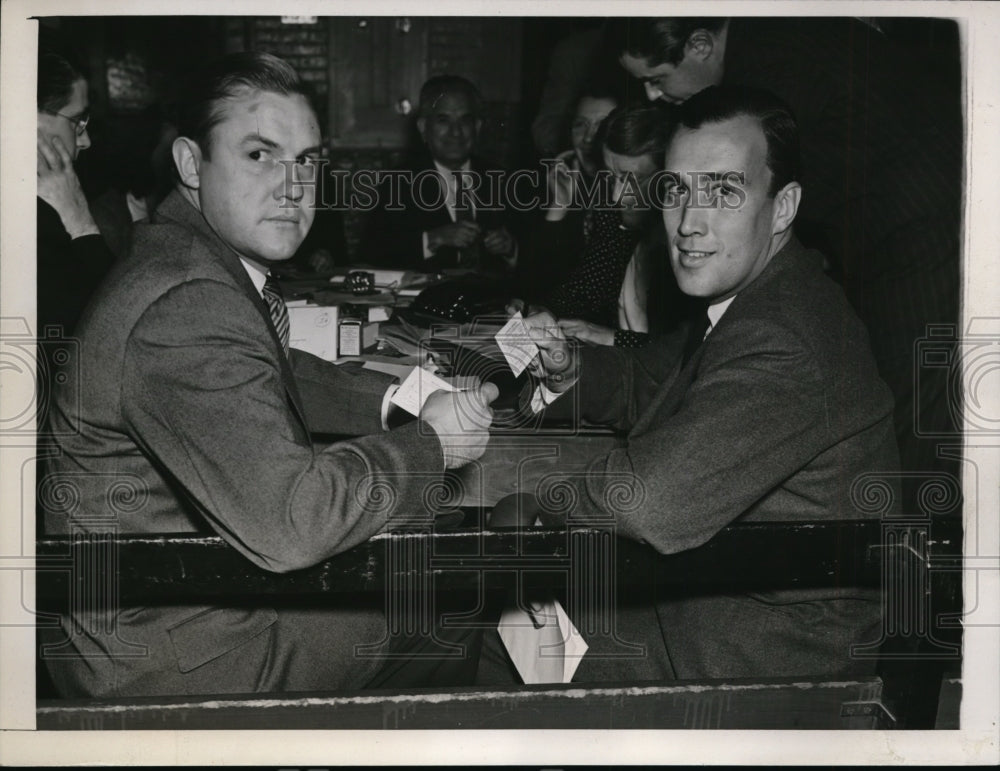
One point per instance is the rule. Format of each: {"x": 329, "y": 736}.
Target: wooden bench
{"x": 867, "y": 552}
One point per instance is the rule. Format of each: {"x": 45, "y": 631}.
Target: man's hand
{"x": 587, "y": 332}
{"x": 556, "y": 364}
{"x": 461, "y": 419}
{"x": 499, "y": 243}
{"x": 60, "y": 188}
{"x": 456, "y": 234}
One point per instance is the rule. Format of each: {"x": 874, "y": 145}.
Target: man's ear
{"x": 786, "y": 206}
{"x": 700, "y": 45}
{"x": 422, "y": 127}
{"x": 479, "y": 126}
{"x": 187, "y": 159}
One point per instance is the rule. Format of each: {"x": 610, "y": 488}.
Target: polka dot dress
{"x": 592, "y": 289}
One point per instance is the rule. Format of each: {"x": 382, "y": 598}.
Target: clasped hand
{"x": 461, "y": 420}
{"x": 556, "y": 363}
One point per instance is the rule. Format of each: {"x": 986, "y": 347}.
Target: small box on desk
{"x": 314, "y": 329}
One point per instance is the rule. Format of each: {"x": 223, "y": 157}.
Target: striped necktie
{"x": 276, "y": 307}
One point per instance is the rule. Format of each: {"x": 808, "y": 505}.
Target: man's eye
{"x": 259, "y": 155}
{"x": 306, "y": 160}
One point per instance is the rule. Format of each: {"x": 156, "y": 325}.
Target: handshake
{"x": 461, "y": 419}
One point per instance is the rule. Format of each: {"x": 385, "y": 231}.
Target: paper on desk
{"x": 419, "y": 384}
{"x": 313, "y": 328}
{"x": 546, "y": 654}
{"x": 516, "y": 344}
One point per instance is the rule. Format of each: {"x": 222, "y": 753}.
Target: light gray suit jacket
{"x": 188, "y": 416}
{"x": 773, "y": 418}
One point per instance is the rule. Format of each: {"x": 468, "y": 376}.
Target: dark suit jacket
{"x": 774, "y": 417}
{"x": 394, "y": 236}
{"x": 69, "y": 270}
{"x": 188, "y": 416}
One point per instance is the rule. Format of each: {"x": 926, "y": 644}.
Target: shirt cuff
{"x": 543, "y": 397}
{"x": 387, "y": 404}
{"x": 427, "y": 250}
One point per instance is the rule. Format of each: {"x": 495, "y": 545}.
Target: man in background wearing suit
{"x": 425, "y": 220}
{"x": 191, "y": 400}
{"x": 766, "y": 407}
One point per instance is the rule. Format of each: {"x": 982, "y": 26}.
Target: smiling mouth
{"x": 284, "y": 220}
{"x": 692, "y": 258}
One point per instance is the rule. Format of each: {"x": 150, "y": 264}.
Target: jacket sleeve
{"x": 754, "y": 414}
{"x": 339, "y": 399}
{"x": 203, "y": 397}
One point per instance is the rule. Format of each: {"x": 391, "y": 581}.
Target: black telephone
{"x": 459, "y": 300}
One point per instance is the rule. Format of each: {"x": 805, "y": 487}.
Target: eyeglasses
{"x": 79, "y": 123}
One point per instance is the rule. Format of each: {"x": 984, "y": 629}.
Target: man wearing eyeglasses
{"x": 72, "y": 255}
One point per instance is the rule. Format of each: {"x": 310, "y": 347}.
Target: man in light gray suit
{"x": 766, "y": 407}
{"x": 190, "y": 398}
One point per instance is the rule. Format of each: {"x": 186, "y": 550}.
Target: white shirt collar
{"x": 258, "y": 276}
{"x": 715, "y": 312}
{"x": 449, "y": 174}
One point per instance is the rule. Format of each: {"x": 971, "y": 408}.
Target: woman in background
{"x": 623, "y": 290}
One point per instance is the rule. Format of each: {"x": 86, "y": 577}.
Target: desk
{"x": 525, "y": 464}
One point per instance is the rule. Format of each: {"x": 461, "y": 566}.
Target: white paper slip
{"x": 516, "y": 344}
{"x": 419, "y": 384}
{"x": 313, "y": 328}
{"x": 544, "y": 645}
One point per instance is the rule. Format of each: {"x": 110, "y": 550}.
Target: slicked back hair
{"x": 658, "y": 40}
{"x": 720, "y": 103}
{"x": 228, "y": 78}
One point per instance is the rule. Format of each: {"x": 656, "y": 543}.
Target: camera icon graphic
{"x": 34, "y": 369}
{"x": 971, "y": 365}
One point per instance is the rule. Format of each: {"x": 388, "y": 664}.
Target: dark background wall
{"x": 365, "y": 73}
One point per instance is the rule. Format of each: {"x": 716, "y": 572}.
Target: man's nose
{"x": 692, "y": 220}
{"x": 83, "y": 140}
{"x": 653, "y": 91}
{"x": 294, "y": 182}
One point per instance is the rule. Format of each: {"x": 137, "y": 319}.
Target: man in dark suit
{"x": 767, "y": 406}
{"x": 192, "y": 414}
{"x": 882, "y": 160}
{"x": 445, "y": 210}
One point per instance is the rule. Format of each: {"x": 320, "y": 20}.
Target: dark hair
{"x": 599, "y": 88}
{"x": 225, "y": 79}
{"x": 636, "y": 131}
{"x": 440, "y": 85}
{"x": 719, "y": 103}
{"x": 658, "y": 41}
{"x": 56, "y": 76}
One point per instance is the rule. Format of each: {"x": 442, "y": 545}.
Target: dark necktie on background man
{"x": 469, "y": 256}
{"x": 279, "y": 313}
{"x": 696, "y": 333}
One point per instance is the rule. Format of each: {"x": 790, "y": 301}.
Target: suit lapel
{"x": 175, "y": 208}
{"x": 672, "y": 391}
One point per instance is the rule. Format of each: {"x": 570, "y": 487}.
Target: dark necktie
{"x": 468, "y": 257}
{"x": 279, "y": 313}
{"x": 696, "y": 334}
